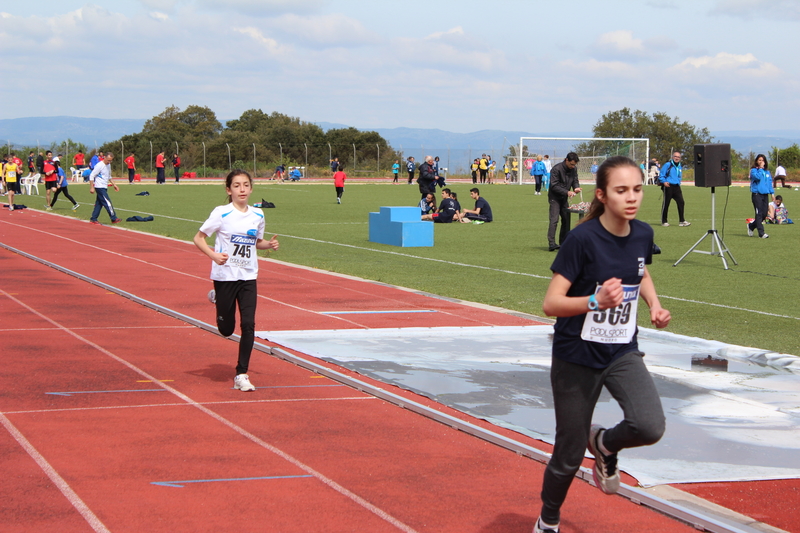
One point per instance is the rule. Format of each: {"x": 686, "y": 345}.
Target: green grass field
{"x": 506, "y": 263}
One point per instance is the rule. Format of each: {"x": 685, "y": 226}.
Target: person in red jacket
{"x": 130, "y": 162}
{"x": 176, "y": 164}
{"x": 338, "y": 182}
{"x": 160, "y": 178}
{"x": 79, "y": 160}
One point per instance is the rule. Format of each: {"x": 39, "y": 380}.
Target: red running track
{"x": 152, "y": 403}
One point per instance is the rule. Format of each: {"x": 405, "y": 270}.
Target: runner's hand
{"x": 610, "y": 294}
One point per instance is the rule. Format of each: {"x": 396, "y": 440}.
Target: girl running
{"x": 598, "y": 276}
{"x": 63, "y": 188}
{"x": 240, "y": 231}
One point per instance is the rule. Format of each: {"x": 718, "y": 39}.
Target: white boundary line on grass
{"x": 467, "y": 265}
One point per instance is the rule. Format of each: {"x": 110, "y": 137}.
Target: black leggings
{"x": 576, "y": 389}
{"x": 65, "y": 192}
{"x": 245, "y": 293}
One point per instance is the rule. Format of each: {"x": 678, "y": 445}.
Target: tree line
{"x": 255, "y": 137}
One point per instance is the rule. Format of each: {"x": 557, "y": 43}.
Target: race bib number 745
{"x": 242, "y": 252}
{"x": 615, "y": 325}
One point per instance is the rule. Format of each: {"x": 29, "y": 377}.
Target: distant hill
{"x": 46, "y": 130}
{"x": 412, "y": 141}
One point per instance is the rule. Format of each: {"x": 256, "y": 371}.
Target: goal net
{"x": 592, "y": 151}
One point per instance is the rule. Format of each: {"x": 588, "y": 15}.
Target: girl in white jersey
{"x": 598, "y": 276}
{"x": 240, "y": 233}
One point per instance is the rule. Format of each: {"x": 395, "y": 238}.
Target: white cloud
{"x": 749, "y": 9}
{"x": 271, "y": 45}
{"x": 622, "y": 45}
{"x": 323, "y": 30}
{"x": 157, "y": 15}
{"x": 744, "y": 69}
{"x": 451, "y": 50}
{"x": 263, "y": 7}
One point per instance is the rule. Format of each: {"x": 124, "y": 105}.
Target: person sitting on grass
{"x": 482, "y": 211}
{"x": 428, "y": 204}
{"x": 447, "y": 210}
{"x": 777, "y": 212}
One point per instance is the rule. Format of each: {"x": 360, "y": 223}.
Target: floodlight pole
{"x": 717, "y": 244}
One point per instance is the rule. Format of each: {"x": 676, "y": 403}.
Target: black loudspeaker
{"x": 712, "y": 165}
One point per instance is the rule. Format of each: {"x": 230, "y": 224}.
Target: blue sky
{"x": 459, "y": 66}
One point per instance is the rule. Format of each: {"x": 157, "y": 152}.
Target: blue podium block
{"x": 400, "y": 226}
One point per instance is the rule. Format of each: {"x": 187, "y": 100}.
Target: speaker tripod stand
{"x": 717, "y": 244}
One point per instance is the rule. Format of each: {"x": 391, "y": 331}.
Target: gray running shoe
{"x": 605, "y": 472}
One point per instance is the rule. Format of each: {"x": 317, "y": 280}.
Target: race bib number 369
{"x": 616, "y": 325}
{"x": 242, "y": 252}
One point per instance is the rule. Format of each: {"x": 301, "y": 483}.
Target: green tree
{"x": 788, "y": 157}
{"x": 667, "y": 134}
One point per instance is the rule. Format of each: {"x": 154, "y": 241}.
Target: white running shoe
{"x": 242, "y": 383}
{"x": 75, "y": 207}
{"x": 605, "y": 472}
{"x": 765, "y": 236}
{"x": 749, "y": 231}
{"x": 685, "y": 223}
{"x": 540, "y": 527}
{"x": 212, "y": 296}
{"x": 665, "y": 224}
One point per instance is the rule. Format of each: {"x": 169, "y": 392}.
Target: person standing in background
{"x": 670, "y": 177}
{"x": 130, "y": 162}
{"x": 564, "y": 185}
{"x": 160, "y": 177}
{"x": 79, "y": 160}
{"x": 176, "y": 165}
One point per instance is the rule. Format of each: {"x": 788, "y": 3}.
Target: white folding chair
{"x": 29, "y": 182}
{"x": 76, "y": 174}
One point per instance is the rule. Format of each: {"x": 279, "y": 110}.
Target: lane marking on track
{"x": 57, "y": 480}
{"x": 178, "y": 483}
{"x": 377, "y": 312}
{"x": 183, "y": 404}
{"x": 236, "y": 428}
{"x": 70, "y": 393}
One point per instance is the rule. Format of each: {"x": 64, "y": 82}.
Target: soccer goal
{"x": 592, "y": 151}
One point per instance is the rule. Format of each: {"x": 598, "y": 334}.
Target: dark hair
{"x": 475, "y": 190}
{"x": 454, "y": 196}
{"x": 446, "y": 190}
{"x": 598, "y": 208}
{"x": 755, "y": 161}
{"x": 232, "y": 174}
{"x": 778, "y": 197}
{"x": 340, "y": 167}
{"x": 572, "y": 156}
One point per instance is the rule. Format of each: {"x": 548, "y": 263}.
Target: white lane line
{"x": 183, "y": 404}
{"x": 238, "y": 429}
{"x": 728, "y": 307}
{"x": 57, "y": 480}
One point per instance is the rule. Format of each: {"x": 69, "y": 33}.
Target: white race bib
{"x": 242, "y": 252}
{"x": 613, "y": 326}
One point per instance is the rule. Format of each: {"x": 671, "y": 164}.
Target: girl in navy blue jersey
{"x": 598, "y": 276}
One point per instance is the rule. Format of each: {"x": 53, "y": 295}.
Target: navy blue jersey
{"x": 589, "y": 256}
{"x": 483, "y": 205}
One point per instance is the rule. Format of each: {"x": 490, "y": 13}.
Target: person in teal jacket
{"x": 760, "y": 191}
{"x": 538, "y": 170}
